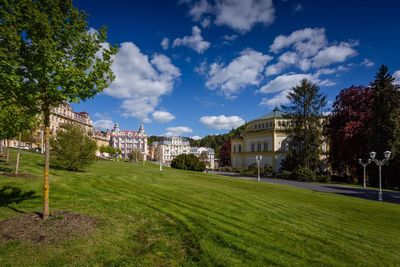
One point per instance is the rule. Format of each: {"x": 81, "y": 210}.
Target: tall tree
{"x": 348, "y": 129}
{"x": 385, "y": 123}
{"x": 48, "y": 56}
{"x": 305, "y": 110}
{"x": 225, "y": 154}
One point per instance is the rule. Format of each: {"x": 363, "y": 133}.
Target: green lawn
{"x": 175, "y": 218}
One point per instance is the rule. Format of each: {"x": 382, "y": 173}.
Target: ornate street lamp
{"x": 364, "y": 165}
{"x": 258, "y": 159}
{"x": 380, "y": 163}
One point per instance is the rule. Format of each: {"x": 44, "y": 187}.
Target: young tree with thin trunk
{"x": 48, "y": 56}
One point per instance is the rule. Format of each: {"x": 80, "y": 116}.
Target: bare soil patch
{"x": 61, "y": 226}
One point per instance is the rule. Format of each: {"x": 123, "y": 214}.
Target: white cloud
{"x": 284, "y": 82}
{"x": 297, "y": 8}
{"x": 282, "y": 85}
{"x": 244, "y": 70}
{"x": 165, "y": 43}
{"x": 196, "y": 137}
{"x": 367, "y": 63}
{"x": 162, "y": 116}
{"x": 237, "y": 14}
{"x": 306, "y": 42}
{"x": 334, "y": 54}
{"x": 231, "y": 37}
{"x": 396, "y": 75}
{"x": 103, "y": 124}
{"x": 177, "y": 131}
{"x": 276, "y": 100}
{"x": 195, "y": 41}
{"x": 222, "y": 122}
{"x": 308, "y": 48}
{"x": 206, "y": 23}
{"x": 141, "y": 81}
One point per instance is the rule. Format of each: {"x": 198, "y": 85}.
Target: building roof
{"x": 275, "y": 113}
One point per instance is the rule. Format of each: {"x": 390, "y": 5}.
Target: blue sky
{"x": 194, "y": 68}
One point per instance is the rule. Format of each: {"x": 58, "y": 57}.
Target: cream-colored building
{"x": 169, "y": 148}
{"x": 127, "y": 141}
{"x": 264, "y": 136}
{"x": 64, "y": 114}
{"x": 210, "y": 160}
{"x": 267, "y": 137}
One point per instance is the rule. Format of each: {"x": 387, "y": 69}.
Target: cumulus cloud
{"x": 206, "y": 23}
{"x": 237, "y": 14}
{"x": 297, "y": 8}
{"x": 165, "y": 43}
{"x": 177, "y": 131}
{"x": 244, "y": 70}
{"x": 308, "y": 48}
{"x": 162, "y": 116}
{"x": 282, "y": 85}
{"x": 396, "y": 75}
{"x": 141, "y": 81}
{"x": 103, "y": 124}
{"x": 222, "y": 122}
{"x": 334, "y": 54}
{"x": 195, "y": 41}
{"x": 196, "y": 137}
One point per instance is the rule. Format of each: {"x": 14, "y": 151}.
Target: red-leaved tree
{"x": 348, "y": 129}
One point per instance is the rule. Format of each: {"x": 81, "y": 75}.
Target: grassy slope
{"x": 176, "y": 217}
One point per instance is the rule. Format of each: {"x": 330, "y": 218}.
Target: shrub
{"x": 304, "y": 174}
{"x": 188, "y": 162}
{"x": 72, "y": 148}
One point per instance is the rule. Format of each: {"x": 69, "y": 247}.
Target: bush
{"x": 72, "y": 148}
{"x": 188, "y": 162}
{"x": 304, "y": 174}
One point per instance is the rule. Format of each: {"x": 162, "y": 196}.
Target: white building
{"x": 170, "y": 147}
{"x": 129, "y": 140}
{"x": 209, "y": 152}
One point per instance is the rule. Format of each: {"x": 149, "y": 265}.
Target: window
{"x": 265, "y": 146}
{"x": 240, "y": 148}
{"x": 234, "y": 148}
{"x": 253, "y": 147}
{"x": 270, "y": 124}
{"x": 255, "y": 126}
{"x": 258, "y": 147}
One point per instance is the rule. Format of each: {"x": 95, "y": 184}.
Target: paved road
{"x": 371, "y": 194}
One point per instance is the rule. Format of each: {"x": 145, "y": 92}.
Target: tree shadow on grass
{"x": 59, "y": 168}
{"x": 5, "y": 169}
{"x": 10, "y": 195}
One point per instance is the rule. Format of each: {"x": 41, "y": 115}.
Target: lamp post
{"x": 258, "y": 159}
{"x": 380, "y": 164}
{"x": 364, "y": 165}
{"x": 159, "y": 158}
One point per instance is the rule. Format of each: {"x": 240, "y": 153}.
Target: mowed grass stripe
{"x": 175, "y": 218}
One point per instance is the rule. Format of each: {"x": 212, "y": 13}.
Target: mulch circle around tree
{"x": 60, "y": 226}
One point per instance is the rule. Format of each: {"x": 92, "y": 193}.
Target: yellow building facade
{"x": 265, "y": 136}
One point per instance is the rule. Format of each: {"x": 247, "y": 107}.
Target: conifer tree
{"x": 305, "y": 110}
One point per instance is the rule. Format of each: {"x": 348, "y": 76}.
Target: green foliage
{"x": 72, "y": 148}
{"x": 135, "y": 155}
{"x": 108, "y": 149}
{"x": 15, "y": 119}
{"x": 305, "y": 110}
{"x": 385, "y": 126}
{"x": 47, "y": 55}
{"x": 217, "y": 141}
{"x": 188, "y": 162}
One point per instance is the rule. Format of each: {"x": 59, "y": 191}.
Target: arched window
{"x": 234, "y": 148}
{"x": 240, "y": 148}
{"x": 253, "y": 147}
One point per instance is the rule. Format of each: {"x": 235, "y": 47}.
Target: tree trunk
{"x": 46, "y": 163}
{"x": 8, "y": 151}
{"x": 19, "y": 150}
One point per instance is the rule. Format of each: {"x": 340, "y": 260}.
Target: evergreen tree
{"x": 385, "y": 124}
{"x": 305, "y": 110}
